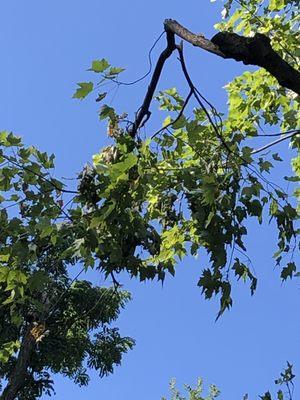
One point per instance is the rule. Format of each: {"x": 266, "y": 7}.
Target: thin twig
{"x": 196, "y": 95}
{"x": 253, "y": 169}
{"x": 276, "y": 134}
{"x": 149, "y": 70}
{"x": 274, "y": 142}
{"x": 23, "y": 167}
{"x": 54, "y": 307}
{"x": 177, "y": 118}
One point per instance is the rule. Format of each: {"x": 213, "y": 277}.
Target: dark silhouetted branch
{"x": 177, "y": 118}
{"x": 255, "y": 50}
{"x": 275, "y": 142}
{"x": 144, "y": 112}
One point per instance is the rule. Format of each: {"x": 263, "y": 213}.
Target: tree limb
{"x": 255, "y": 50}
{"x": 197, "y": 97}
{"x": 18, "y": 375}
{"x": 144, "y": 112}
{"x": 275, "y": 142}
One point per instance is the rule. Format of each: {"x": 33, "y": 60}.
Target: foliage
{"x": 142, "y": 206}
{"x": 285, "y": 379}
{"x": 35, "y": 285}
{"x": 198, "y": 180}
{"x": 193, "y": 394}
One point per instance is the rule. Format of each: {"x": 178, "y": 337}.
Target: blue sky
{"x": 46, "y": 48}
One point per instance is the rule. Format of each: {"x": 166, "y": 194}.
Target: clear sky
{"x": 46, "y": 47}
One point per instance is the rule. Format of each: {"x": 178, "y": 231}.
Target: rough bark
{"x": 255, "y": 50}
{"x": 18, "y": 375}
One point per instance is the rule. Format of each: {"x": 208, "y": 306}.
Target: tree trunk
{"x": 18, "y": 375}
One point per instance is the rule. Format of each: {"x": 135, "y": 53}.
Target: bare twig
{"x": 147, "y": 73}
{"x": 277, "y": 134}
{"x": 177, "y": 118}
{"x": 252, "y": 168}
{"x": 275, "y": 142}
{"x": 196, "y": 95}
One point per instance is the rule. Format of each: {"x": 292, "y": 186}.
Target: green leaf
{"x": 113, "y": 71}
{"x": 280, "y": 395}
{"x": 13, "y": 140}
{"x": 107, "y": 112}
{"x": 276, "y": 5}
{"x": 117, "y": 170}
{"x": 99, "y": 65}
{"x": 38, "y": 280}
{"x": 84, "y": 89}
{"x": 46, "y": 231}
{"x": 276, "y": 157}
{"x": 10, "y": 299}
{"x": 8, "y": 349}
{"x": 209, "y": 218}
{"x": 274, "y": 207}
{"x": 292, "y": 178}
{"x": 266, "y": 396}
{"x": 288, "y": 271}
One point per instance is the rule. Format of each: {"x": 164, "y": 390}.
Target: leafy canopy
{"x": 196, "y": 181}
{"x": 69, "y": 319}
{"x": 142, "y": 206}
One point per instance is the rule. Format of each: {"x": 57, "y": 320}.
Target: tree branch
{"x": 196, "y": 95}
{"x": 277, "y": 134}
{"x": 255, "y": 50}
{"x": 41, "y": 176}
{"x": 195, "y": 40}
{"x": 18, "y": 375}
{"x": 275, "y": 142}
{"x": 177, "y": 118}
{"x": 144, "y": 110}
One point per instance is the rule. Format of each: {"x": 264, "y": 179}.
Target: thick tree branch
{"x": 196, "y": 40}
{"x": 255, "y": 50}
{"x": 18, "y": 375}
{"x": 144, "y": 112}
